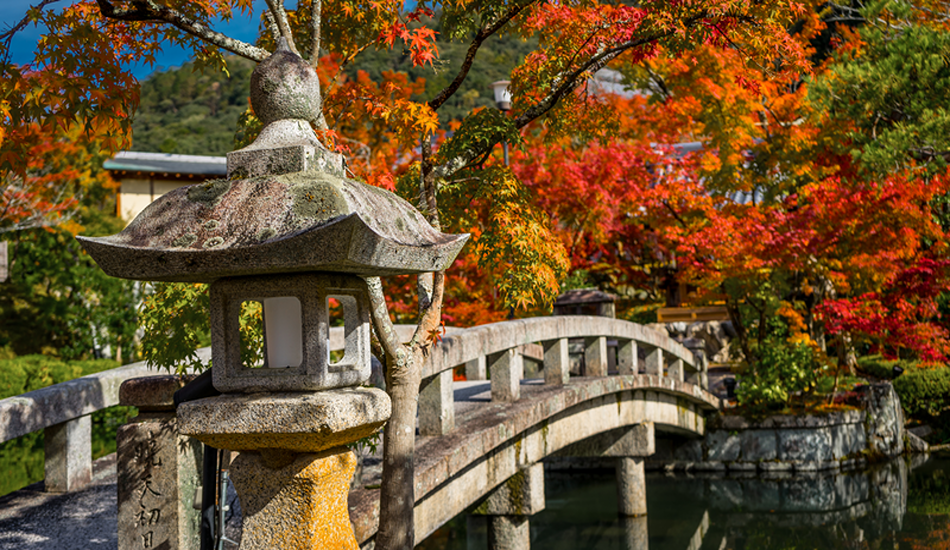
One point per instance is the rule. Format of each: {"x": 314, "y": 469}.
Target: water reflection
{"x": 894, "y": 505}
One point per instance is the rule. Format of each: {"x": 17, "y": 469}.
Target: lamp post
{"x": 503, "y": 101}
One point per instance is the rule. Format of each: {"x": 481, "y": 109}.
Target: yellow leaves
{"x": 518, "y": 243}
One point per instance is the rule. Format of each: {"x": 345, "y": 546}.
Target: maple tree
{"x": 80, "y": 78}
{"x": 781, "y": 209}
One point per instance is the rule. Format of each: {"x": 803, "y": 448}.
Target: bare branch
{"x": 483, "y": 34}
{"x": 277, "y": 9}
{"x": 271, "y": 24}
{"x": 7, "y": 37}
{"x": 432, "y": 315}
{"x": 150, "y": 11}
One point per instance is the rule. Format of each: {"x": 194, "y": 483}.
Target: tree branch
{"x": 381, "y": 321}
{"x": 7, "y": 37}
{"x": 316, "y": 8}
{"x": 483, "y": 34}
{"x": 150, "y": 11}
{"x": 282, "y": 24}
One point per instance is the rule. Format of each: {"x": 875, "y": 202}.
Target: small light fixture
{"x": 502, "y": 95}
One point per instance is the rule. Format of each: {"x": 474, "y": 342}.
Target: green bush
{"x": 21, "y": 459}
{"x": 782, "y": 370}
{"x": 924, "y": 391}
{"x": 881, "y": 368}
{"x": 32, "y": 372}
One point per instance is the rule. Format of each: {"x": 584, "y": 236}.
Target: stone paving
{"x": 31, "y": 519}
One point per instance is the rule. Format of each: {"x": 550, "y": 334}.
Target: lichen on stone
{"x": 209, "y": 192}
{"x": 211, "y": 225}
{"x": 185, "y": 240}
{"x": 213, "y": 242}
{"x": 317, "y": 197}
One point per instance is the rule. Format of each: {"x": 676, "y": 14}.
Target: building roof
{"x": 584, "y": 296}
{"x": 164, "y": 163}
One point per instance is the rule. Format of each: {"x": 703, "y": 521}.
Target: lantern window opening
{"x": 283, "y": 332}
{"x": 251, "y": 334}
{"x": 343, "y": 311}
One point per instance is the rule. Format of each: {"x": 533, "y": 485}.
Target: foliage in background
{"x": 783, "y": 371}
{"x": 192, "y": 112}
{"x": 56, "y": 299}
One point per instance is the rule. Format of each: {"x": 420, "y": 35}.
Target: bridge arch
{"x": 492, "y": 435}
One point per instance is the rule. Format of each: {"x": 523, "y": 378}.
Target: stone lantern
{"x": 288, "y": 230}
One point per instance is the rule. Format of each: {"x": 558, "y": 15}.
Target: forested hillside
{"x": 188, "y": 112}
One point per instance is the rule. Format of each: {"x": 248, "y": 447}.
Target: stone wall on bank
{"x": 783, "y": 443}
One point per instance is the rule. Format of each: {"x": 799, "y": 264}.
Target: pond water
{"x": 895, "y": 505}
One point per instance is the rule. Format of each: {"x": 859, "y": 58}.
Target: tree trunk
{"x": 396, "y": 529}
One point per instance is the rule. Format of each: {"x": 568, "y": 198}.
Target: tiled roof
{"x": 164, "y": 163}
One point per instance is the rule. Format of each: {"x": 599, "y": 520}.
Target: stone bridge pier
{"x": 509, "y": 507}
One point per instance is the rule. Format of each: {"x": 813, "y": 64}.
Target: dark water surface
{"x": 899, "y": 505}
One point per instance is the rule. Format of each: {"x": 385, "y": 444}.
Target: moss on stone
{"x": 317, "y": 197}
{"x": 209, "y": 192}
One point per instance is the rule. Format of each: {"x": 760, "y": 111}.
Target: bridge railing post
{"x": 654, "y": 361}
{"x": 557, "y": 362}
{"x": 507, "y": 370}
{"x": 68, "y": 448}
{"x": 627, "y": 360}
{"x": 675, "y": 369}
{"x": 437, "y": 405}
{"x": 476, "y": 369}
{"x": 595, "y": 356}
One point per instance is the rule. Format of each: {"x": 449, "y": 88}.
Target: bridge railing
{"x": 63, "y": 411}
{"x": 497, "y": 350}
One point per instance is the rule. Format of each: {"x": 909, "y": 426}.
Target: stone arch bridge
{"x": 483, "y": 441}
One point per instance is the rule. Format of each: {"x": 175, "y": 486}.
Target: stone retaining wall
{"x": 794, "y": 443}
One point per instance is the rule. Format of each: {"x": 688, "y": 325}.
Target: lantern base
{"x": 295, "y": 500}
{"x": 302, "y": 422}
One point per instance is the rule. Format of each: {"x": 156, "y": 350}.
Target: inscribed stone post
{"x": 158, "y": 471}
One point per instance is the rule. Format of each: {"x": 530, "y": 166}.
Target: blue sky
{"x": 12, "y": 11}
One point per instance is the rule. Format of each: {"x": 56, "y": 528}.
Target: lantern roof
{"x": 285, "y": 207}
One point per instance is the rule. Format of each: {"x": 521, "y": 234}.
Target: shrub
{"x": 32, "y": 372}
{"x": 881, "y": 368}
{"x": 782, "y": 370}
{"x": 924, "y": 391}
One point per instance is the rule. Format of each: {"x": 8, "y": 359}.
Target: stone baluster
{"x": 557, "y": 363}
{"x": 437, "y": 405}
{"x": 507, "y": 370}
{"x": 595, "y": 356}
{"x": 627, "y": 360}
{"x": 636, "y": 535}
{"x": 158, "y": 470}
{"x": 68, "y": 448}
{"x": 476, "y": 369}
{"x": 510, "y": 506}
{"x": 654, "y": 361}
{"x": 698, "y": 374}
{"x": 675, "y": 370}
